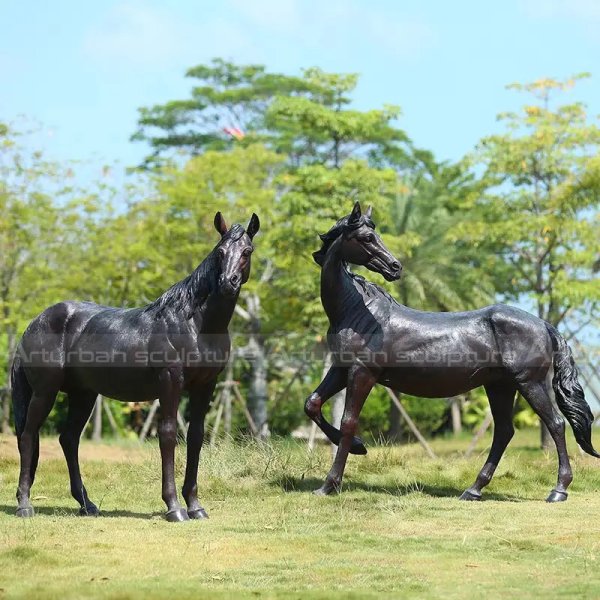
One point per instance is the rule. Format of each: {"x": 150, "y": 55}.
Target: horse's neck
{"x": 215, "y": 313}
{"x": 336, "y": 283}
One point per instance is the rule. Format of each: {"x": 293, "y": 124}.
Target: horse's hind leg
{"x": 537, "y": 395}
{"x": 39, "y": 408}
{"x": 80, "y": 409}
{"x": 502, "y": 399}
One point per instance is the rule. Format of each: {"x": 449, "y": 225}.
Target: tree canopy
{"x": 517, "y": 219}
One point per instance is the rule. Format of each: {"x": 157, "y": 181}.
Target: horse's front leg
{"x": 360, "y": 383}
{"x": 199, "y": 404}
{"x": 171, "y": 381}
{"x": 334, "y": 381}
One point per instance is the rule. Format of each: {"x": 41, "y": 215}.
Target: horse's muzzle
{"x": 391, "y": 271}
{"x": 230, "y": 286}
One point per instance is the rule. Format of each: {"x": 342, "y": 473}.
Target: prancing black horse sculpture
{"x": 178, "y": 343}
{"x": 373, "y": 339}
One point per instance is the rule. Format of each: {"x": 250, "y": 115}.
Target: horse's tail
{"x": 569, "y": 393}
{"x": 21, "y": 394}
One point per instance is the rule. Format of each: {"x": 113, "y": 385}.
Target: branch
{"x": 268, "y": 272}
{"x": 519, "y": 268}
{"x": 242, "y": 312}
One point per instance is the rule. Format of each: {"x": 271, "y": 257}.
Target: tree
{"x": 305, "y": 118}
{"x": 227, "y": 96}
{"x": 536, "y": 217}
{"x": 34, "y": 229}
{"x": 319, "y": 127}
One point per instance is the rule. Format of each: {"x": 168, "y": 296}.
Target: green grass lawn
{"x": 397, "y": 530}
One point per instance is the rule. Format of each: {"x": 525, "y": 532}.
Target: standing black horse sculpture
{"x": 376, "y": 340}
{"x": 178, "y": 343}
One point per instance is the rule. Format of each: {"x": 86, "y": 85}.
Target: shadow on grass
{"x": 296, "y": 484}
{"x": 67, "y": 512}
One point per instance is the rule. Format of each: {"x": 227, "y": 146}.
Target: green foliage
{"x": 320, "y": 128}
{"x": 316, "y": 197}
{"x": 227, "y": 95}
{"x": 535, "y": 216}
{"x": 429, "y": 414}
{"x": 439, "y": 274}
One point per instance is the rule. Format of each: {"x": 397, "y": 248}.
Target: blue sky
{"x": 83, "y": 68}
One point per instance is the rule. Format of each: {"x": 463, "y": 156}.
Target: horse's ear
{"x": 355, "y": 214}
{"x": 369, "y": 211}
{"x": 253, "y": 225}
{"x": 220, "y": 224}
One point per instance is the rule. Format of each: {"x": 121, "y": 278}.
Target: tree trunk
{"x": 255, "y": 352}
{"x": 395, "y": 430}
{"x": 226, "y": 396}
{"x": 456, "y": 415}
{"x": 97, "y": 420}
{"x": 6, "y": 397}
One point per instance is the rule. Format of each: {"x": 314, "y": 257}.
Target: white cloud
{"x": 337, "y": 23}
{"x": 145, "y": 35}
{"x": 574, "y": 9}
{"x": 139, "y": 34}
{"x": 278, "y": 16}
{"x": 585, "y": 13}
{"x": 405, "y": 38}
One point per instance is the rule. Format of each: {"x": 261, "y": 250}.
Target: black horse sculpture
{"x": 376, "y": 340}
{"x": 178, "y": 343}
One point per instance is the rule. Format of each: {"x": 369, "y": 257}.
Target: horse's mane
{"x": 370, "y": 288}
{"x": 190, "y": 293}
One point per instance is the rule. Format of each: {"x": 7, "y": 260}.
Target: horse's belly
{"x": 441, "y": 382}
{"x": 128, "y": 384}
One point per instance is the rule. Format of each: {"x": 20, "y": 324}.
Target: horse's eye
{"x": 247, "y": 252}
{"x": 370, "y": 238}
{"x": 221, "y": 253}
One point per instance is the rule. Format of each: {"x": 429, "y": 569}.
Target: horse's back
{"x": 435, "y": 354}
{"x": 44, "y": 346}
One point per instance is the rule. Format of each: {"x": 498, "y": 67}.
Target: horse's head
{"x": 360, "y": 245}
{"x": 234, "y": 253}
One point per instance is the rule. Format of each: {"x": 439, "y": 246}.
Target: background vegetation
{"x": 517, "y": 220}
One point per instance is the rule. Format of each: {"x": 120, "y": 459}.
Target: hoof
{"x": 91, "y": 510}
{"x": 556, "y": 496}
{"x": 177, "y": 515}
{"x": 470, "y": 496}
{"x": 25, "y": 512}
{"x": 358, "y": 447}
{"x": 327, "y": 489}
{"x": 199, "y": 513}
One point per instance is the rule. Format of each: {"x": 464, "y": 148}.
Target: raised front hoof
{"x": 556, "y": 496}
{"x": 470, "y": 496}
{"x": 358, "y": 447}
{"x": 327, "y": 489}
{"x": 25, "y": 512}
{"x": 199, "y": 513}
{"x": 177, "y": 515}
{"x": 91, "y": 510}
